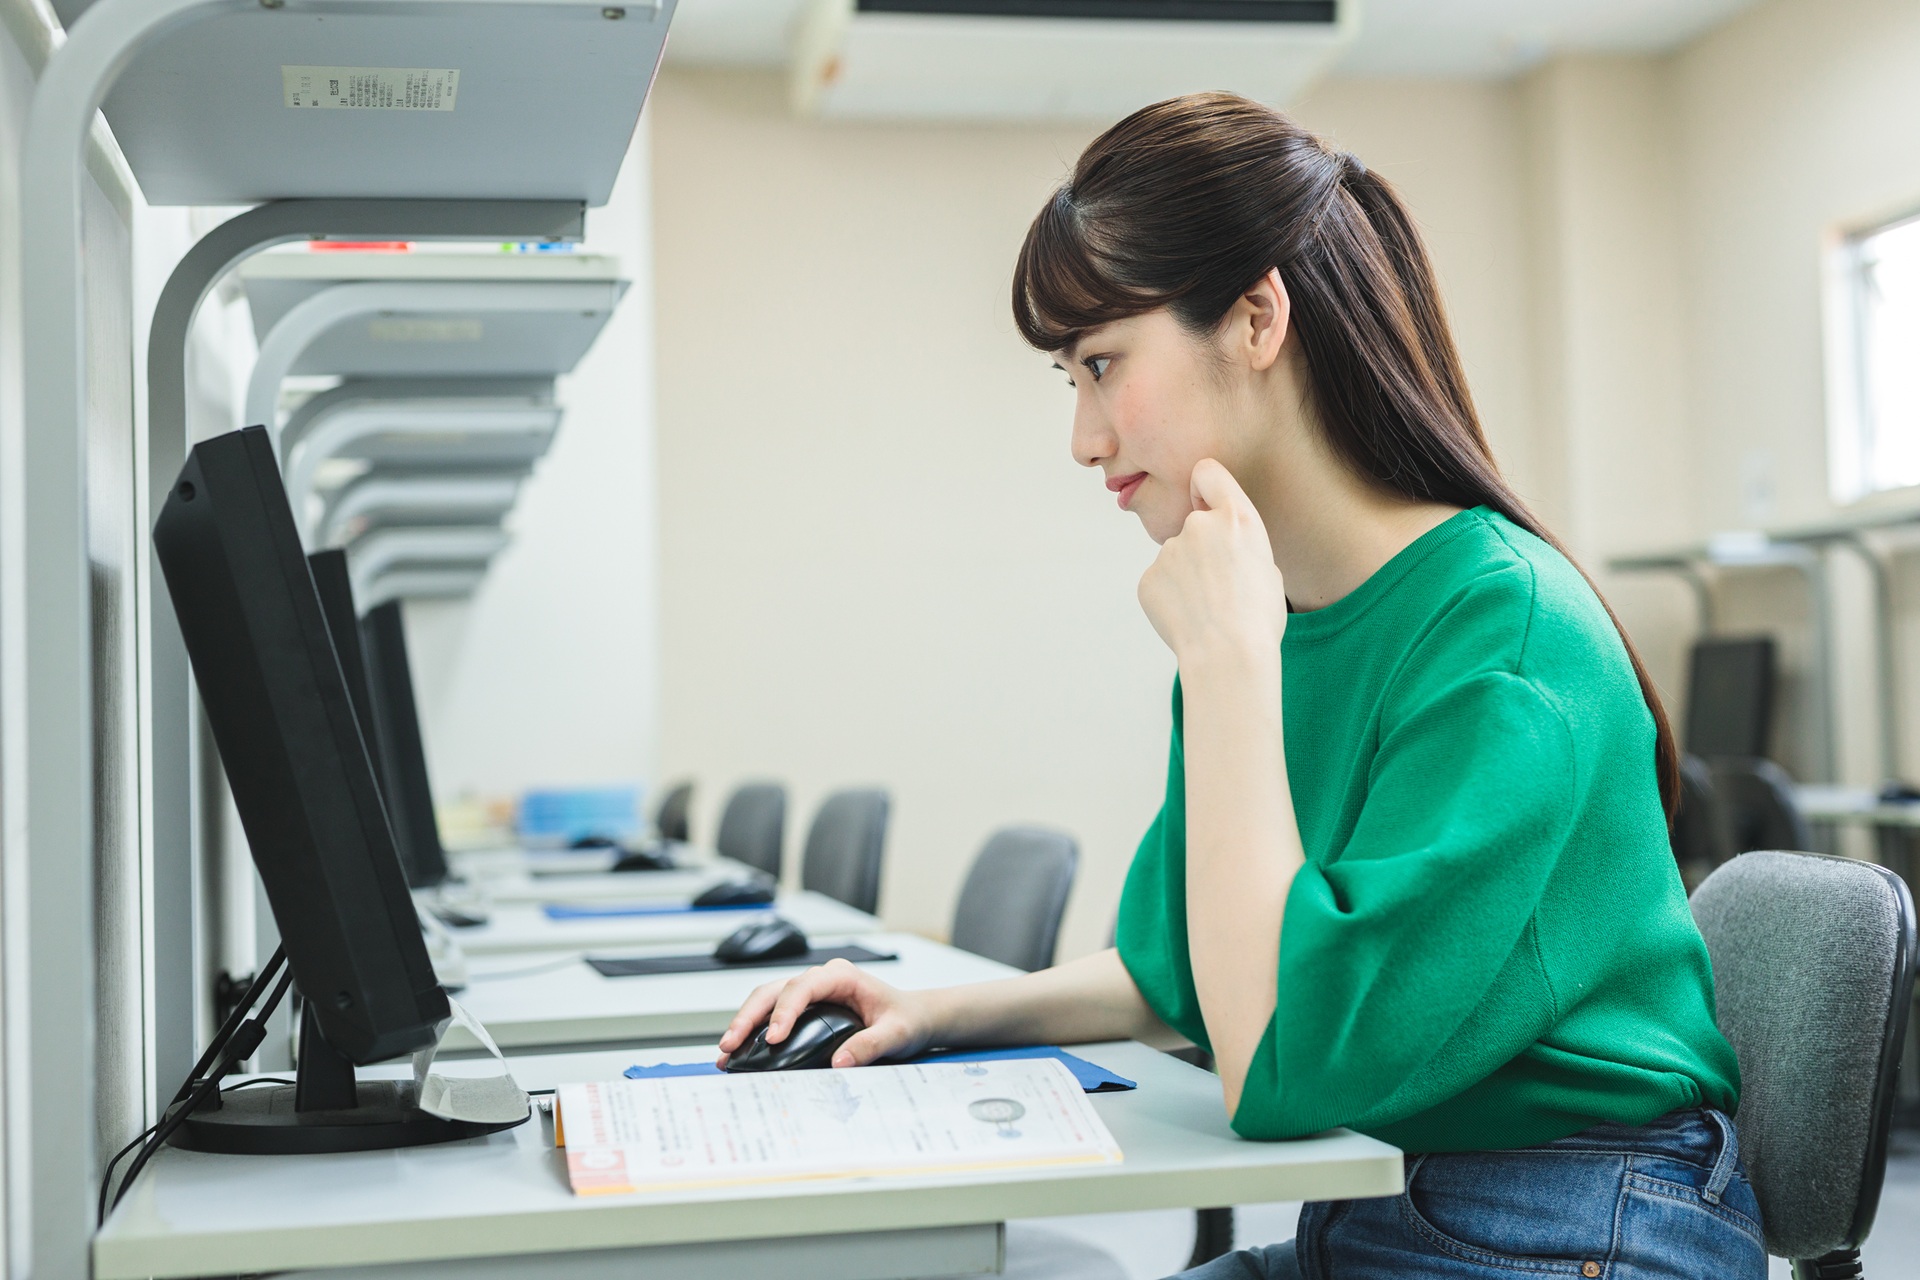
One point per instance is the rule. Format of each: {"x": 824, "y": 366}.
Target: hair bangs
{"x": 1063, "y": 286}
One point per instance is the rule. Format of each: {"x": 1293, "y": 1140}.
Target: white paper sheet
{"x": 674, "y": 1131}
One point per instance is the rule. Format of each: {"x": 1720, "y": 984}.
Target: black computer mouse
{"x": 593, "y": 841}
{"x": 736, "y": 893}
{"x": 643, "y": 860}
{"x": 762, "y": 940}
{"x": 1898, "y": 792}
{"x": 816, "y": 1033}
{"x": 455, "y": 919}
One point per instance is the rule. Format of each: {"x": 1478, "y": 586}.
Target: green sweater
{"x": 1489, "y": 945}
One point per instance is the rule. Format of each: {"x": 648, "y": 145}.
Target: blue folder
{"x": 1092, "y": 1077}
{"x": 613, "y": 910}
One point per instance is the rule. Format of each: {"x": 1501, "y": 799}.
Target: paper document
{"x": 683, "y": 1131}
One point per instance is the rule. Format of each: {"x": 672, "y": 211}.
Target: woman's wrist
{"x": 1240, "y": 666}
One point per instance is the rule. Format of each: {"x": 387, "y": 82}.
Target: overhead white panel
{"x": 864, "y": 64}
{"x": 543, "y": 104}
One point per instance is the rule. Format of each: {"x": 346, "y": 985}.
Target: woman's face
{"x": 1150, "y": 401}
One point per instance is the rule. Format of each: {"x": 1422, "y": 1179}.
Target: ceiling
{"x": 1459, "y": 38}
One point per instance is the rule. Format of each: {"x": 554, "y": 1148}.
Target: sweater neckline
{"x": 1317, "y": 624}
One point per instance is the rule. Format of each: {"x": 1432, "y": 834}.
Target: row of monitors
{"x": 290, "y": 697}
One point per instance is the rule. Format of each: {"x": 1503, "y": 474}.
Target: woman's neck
{"x": 1328, "y": 544}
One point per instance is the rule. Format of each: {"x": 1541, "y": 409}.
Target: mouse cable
{"x": 241, "y": 1008}
{"x": 241, "y": 1044}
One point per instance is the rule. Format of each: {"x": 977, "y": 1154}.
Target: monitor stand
{"x": 326, "y": 1109}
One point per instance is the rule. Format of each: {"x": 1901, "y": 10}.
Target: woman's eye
{"x": 1097, "y": 366}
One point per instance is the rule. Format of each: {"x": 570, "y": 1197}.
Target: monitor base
{"x": 262, "y": 1120}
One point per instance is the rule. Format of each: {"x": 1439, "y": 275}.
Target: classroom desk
{"x": 570, "y": 1004}
{"x": 499, "y": 1207}
{"x": 522, "y": 929}
{"x": 1855, "y": 806}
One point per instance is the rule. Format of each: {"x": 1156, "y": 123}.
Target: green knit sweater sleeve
{"x": 1389, "y": 951}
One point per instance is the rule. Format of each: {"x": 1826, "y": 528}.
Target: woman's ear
{"x": 1262, "y": 317}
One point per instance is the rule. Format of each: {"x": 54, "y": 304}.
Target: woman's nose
{"x": 1093, "y": 441}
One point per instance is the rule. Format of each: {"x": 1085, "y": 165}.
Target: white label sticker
{"x": 371, "y": 88}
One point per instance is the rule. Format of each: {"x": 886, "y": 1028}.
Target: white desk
{"x": 571, "y": 1004}
{"x": 499, "y": 1206}
{"x": 1855, "y": 806}
{"x": 522, "y": 929}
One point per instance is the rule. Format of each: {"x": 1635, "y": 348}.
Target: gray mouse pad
{"x": 637, "y": 965}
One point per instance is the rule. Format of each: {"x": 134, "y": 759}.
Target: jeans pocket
{"x": 1517, "y": 1211}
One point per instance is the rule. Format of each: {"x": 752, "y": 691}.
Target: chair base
{"x": 1212, "y": 1235}
{"x": 1841, "y": 1264}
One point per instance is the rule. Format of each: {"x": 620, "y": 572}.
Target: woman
{"x": 1412, "y": 873}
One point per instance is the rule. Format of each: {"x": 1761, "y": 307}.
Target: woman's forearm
{"x": 1092, "y": 998}
{"x": 1243, "y": 850}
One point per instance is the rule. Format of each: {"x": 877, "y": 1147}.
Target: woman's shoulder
{"x": 1514, "y": 603}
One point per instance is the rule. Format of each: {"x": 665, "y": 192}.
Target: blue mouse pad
{"x": 1092, "y": 1077}
{"x": 614, "y": 910}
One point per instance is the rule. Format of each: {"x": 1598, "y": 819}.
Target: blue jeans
{"x": 1663, "y": 1201}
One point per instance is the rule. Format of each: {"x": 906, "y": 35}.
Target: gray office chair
{"x": 1813, "y": 968}
{"x": 1757, "y": 797}
{"x": 670, "y": 820}
{"x": 1011, "y": 904}
{"x": 845, "y": 846}
{"x": 753, "y": 826}
{"x": 1702, "y": 839}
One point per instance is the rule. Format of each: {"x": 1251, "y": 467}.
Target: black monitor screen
{"x": 403, "y": 753}
{"x": 283, "y": 720}
{"x": 1730, "y": 697}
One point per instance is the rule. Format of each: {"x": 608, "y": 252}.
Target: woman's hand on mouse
{"x": 897, "y": 1022}
{"x": 1213, "y": 593}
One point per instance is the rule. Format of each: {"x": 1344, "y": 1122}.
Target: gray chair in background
{"x": 1813, "y": 969}
{"x": 845, "y": 846}
{"x": 1701, "y": 837}
{"x": 671, "y": 821}
{"x": 1757, "y": 797}
{"x": 1015, "y": 895}
{"x": 753, "y": 826}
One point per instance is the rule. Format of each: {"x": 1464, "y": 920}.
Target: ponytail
{"x": 1184, "y": 203}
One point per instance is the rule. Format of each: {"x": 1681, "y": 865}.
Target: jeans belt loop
{"x": 1728, "y": 1160}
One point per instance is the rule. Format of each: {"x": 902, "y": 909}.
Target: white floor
{"x": 1149, "y": 1246}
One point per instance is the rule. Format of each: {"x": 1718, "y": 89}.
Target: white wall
{"x": 880, "y": 563}
{"x": 548, "y": 675}
{"x": 1794, "y": 123}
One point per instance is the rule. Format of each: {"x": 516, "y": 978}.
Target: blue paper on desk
{"x": 613, "y": 910}
{"x": 1092, "y": 1077}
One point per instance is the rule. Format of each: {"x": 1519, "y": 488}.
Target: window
{"x": 1876, "y": 361}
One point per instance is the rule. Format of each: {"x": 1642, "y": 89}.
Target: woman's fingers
{"x": 1213, "y": 487}
{"x": 836, "y": 981}
{"x": 863, "y": 1047}
{"x": 753, "y": 1011}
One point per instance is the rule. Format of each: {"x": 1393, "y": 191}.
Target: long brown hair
{"x": 1184, "y": 204}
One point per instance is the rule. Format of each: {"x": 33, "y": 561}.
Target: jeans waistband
{"x": 1700, "y": 1136}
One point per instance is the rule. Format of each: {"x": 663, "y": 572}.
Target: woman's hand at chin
{"x": 1213, "y": 593}
{"x": 898, "y": 1023}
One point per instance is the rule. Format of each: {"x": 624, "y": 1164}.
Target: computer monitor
{"x": 334, "y": 584}
{"x": 282, "y": 717}
{"x": 396, "y": 721}
{"x": 1730, "y": 696}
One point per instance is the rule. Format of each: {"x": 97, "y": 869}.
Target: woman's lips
{"x": 1125, "y": 486}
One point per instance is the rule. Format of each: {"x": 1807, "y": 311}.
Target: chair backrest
{"x": 1701, "y": 838}
{"x": 1011, "y": 904}
{"x": 1757, "y": 797}
{"x": 671, "y": 820}
{"x": 753, "y": 826}
{"x": 845, "y": 846}
{"x": 1813, "y": 975}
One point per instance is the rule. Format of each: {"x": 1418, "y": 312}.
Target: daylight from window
{"x": 1887, "y": 344}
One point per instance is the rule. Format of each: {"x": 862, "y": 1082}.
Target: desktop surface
{"x": 561, "y": 1000}
{"x": 193, "y": 1214}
